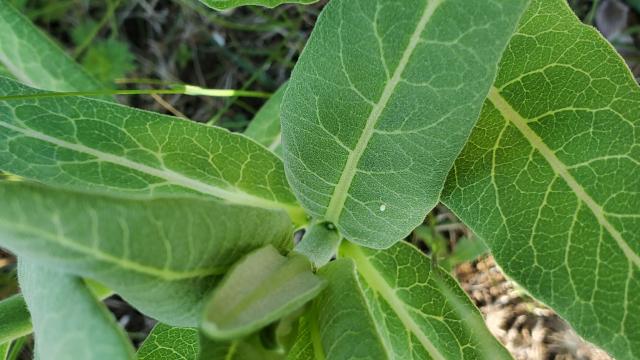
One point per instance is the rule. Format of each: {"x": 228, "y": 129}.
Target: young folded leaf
{"x": 86, "y": 330}
{"x": 104, "y": 147}
{"x": 265, "y": 126}
{"x": 261, "y": 288}
{"x": 161, "y": 255}
{"x": 550, "y": 178}
{"x": 166, "y": 342}
{"x": 377, "y": 109}
{"x": 228, "y": 4}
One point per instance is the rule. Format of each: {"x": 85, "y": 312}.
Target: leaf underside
{"x": 550, "y": 177}
{"x": 392, "y": 304}
{"x": 377, "y": 109}
{"x": 161, "y": 255}
{"x": 86, "y": 330}
{"x": 104, "y": 147}
{"x": 261, "y": 288}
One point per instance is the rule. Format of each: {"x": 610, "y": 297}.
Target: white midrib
{"x": 171, "y": 177}
{"x": 380, "y": 285}
{"x": 341, "y": 190}
{"x": 509, "y": 113}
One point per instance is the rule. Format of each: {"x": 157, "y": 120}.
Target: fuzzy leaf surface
{"x": 86, "y": 330}
{"x": 36, "y": 60}
{"x": 161, "y": 255}
{"x": 380, "y": 104}
{"x": 261, "y": 288}
{"x": 550, "y": 178}
{"x": 392, "y": 304}
{"x": 104, "y": 147}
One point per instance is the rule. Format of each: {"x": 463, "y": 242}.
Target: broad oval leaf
{"x": 265, "y": 125}
{"x": 261, "y": 288}
{"x": 229, "y": 4}
{"x": 404, "y": 308}
{"x": 103, "y": 147}
{"x": 161, "y": 255}
{"x": 86, "y": 330}
{"x": 550, "y": 178}
{"x": 381, "y": 103}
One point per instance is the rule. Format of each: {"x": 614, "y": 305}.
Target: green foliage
{"x": 68, "y": 142}
{"x": 161, "y": 255}
{"x": 85, "y": 330}
{"x": 193, "y": 225}
{"x": 265, "y": 126}
{"x": 14, "y": 319}
{"x": 261, "y": 288}
{"x": 229, "y": 4}
{"x": 108, "y": 60}
{"x": 372, "y": 119}
{"x": 170, "y": 343}
{"x": 550, "y": 179}
{"x": 34, "y": 59}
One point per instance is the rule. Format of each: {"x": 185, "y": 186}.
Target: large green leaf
{"x": 104, "y": 147}
{"x": 380, "y": 104}
{"x": 228, "y": 4}
{"x": 404, "y": 308}
{"x": 550, "y": 178}
{"x": 85, "y": 330}
{"x": 34, "y": 59}
{"x": 161, "y": 255}
{"x": 261, "y": 288}
{"x": 170, "y": 343}
{"x": 265, "y": 126}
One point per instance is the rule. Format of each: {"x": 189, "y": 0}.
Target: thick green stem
{"x": 319, "y": 243}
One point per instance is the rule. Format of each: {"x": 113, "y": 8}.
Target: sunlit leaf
{"x": 377, "y": 109}
{"x": 550, "y": 178}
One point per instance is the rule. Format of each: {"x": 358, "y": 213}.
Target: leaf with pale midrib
{"x": 392, "y": 304}
{"x": 103, "y": 147}
{"x": 550, "y": 178}
{"x": 86, "y": 330}
{"x": 161, "y": 255}
{"x": 229, "y": 4}
{"x": 377, "y": 109}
